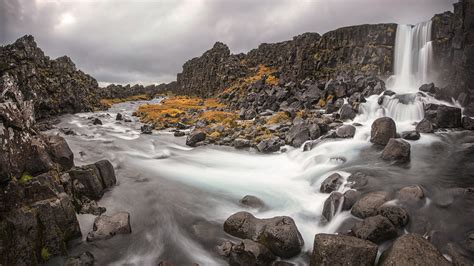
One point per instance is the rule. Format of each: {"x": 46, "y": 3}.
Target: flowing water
{"x": 179, "y": 197}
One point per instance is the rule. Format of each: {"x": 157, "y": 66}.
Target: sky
{"x": 148, "y": 41}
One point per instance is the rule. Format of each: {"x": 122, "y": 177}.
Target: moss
{"x": 45, "y": 254}
{"x": 277, "y": 118}
{"x": 25, "y": 177}
{"x": 109, "y": 102}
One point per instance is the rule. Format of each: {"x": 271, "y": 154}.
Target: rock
{"x": 332, "y": 204}
{"x": 410, "y": 135}
{"x": 346, "y": 112}
{"x": 350, "y": 198}
{"x": 96, "y": 121}
{"x": 60, "y": 152}
{"x": 90, "y": 181}
{"x": 84, "y": 259}
{"x": 397, "y": 150}
{"x": 412, "y": 249}
{"x": 249, "y": 252}
{"x": 346, "y": 131}
{"x": 458, "y": 256}
{"x": 107, "y": 173}
{"x": 269, "y": 145}
{"x": 376, "y": 229}
{"x": 297, "y": 135}
{"x": 424, "y": 126}
{"x": 106, "y": 227}
{"x": 252, "y": 202}
{"x": 119, "y": 117}
{"x": 468, "y": 123}
{"x": 195, "y": 137}
{"x": 240, "y": 143}
{"x": 342, "y": 250}
{"x": 430, "y": 88}
{"x": 368, "y": 205}
{"x": 146, "y": 129}
{"x": 358, "y": 180}
{"x": 411, "y": 194}
{"x": 331, "y": 183}
{"x": 448, "y": 117}
{"x": 383, "y": 129}
{"x": 179, "y": 133}
{"x": 398, "y": 216}
{"x": 279, "y": 234}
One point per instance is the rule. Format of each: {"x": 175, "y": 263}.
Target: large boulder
{"x": 346, "y": 131}
{"x": 279, "y": 234}
{"x": 106, "y": 226}
{"x": 60, "y": 152}
{"x": 270, "y": 145}
{"x": 195, "y": 137}
{"x": 468, "y": 123}
{"x": 448, "y": 117}
{"x": 331, "y": 183}
{"x": 346, "y": 112}
{"x": 332, "y": 204}
{"x": 297, "y": 135}
{"x": 410, "y": 135}
{"x": 88, "y": 181}
{"x": 424, "y": 126}
{"x": 342, "y": 250}
{"x": 412, "y": 249}
{"x": 367, "y": 205}
{"x": 397, "y": 150}
{"x": 412, "y": 195}
{"x": 398, "y": 216}
{"x": 383, "y": 129}
{"x": 376, "y": 229}
{"x": 107, "y": 173}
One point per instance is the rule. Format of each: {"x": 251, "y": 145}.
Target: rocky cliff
{"x": 55, "y": 86}
{"x": 118, "y": 91}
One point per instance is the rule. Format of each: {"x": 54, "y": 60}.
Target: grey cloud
{"x": 148, "y": 41}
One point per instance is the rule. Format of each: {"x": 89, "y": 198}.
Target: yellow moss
{"x": 25, "y": 177}
{"x": 280, "y": 117}
{"x": 109, "y": 102}
{"x": 215, "y": 135}
{"x": 218, "y": 116}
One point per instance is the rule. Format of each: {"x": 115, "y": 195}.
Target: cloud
{"x": 148, "y": 41}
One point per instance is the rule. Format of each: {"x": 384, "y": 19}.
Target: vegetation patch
{"x": 109, "y": 102}
{"x": 45, "y": 254}
{"x": 25, "y": 177}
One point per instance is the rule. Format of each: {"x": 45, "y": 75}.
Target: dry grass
{"x": 108, "y": 102}
{"x": 277, "y": 118}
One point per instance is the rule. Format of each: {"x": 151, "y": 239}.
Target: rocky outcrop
{"x": 54, "y": 86}
{"x": 114, "y": 91}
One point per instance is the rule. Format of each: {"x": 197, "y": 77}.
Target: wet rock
{"x": 146, "y": 129}
{"x": 106, "y": 226}
{"x": 91, "y": 207}
{"x": 412, "y": 249}
{"x": 383, "y": 129}
{"x": 350, "y": 198}
{"x": 398, "y": 216}
{"x": 346, "y": 112}
{"x": 60, "y": 152}
{"x": 346, "y": 131}
{"x": 96, "y": 121}
{"x": 367, "y": 205}
{"x": 410, "y": 135}
{"x": 270, "y": 145}
{"x": 458, "y": 256}
{"x": 195, "y": 137}
{"x": 430, "y": 88}
{"x": 358, "y": 180}
{"x": 84, "y": 259}
{"x": 424, "y": 126}
{"x": 331, "y": 183}
{"x": 411, "y": 194}
{"x": 87, "y": 181}
{"x": 252, "y": 202}
{"x": 397, "y": 150}
{"x": 240, "y": 143}
{"x": 448, "y": 117}
{"x": 331, "y": 206}
{"x": 107, "y": 173}
{"x": 468, "y": 123}
{"x": 376, "y": 229}
{"x": 342, "y": 250}
{"x": 119, "y": 117}
{"x": 179, "y": 133}
{"x": 279, "y": 234}
{"x": 297, "y": 135}
{"x": 249, "y": 252}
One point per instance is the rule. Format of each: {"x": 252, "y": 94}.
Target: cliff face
{"x": 364, "y": 49}
{"x": 55, "y": 86}
{"x": 118, "y": 91}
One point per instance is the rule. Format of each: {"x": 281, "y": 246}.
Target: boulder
{"x": 195, "y": 137}
{"x": 468, "y": 123}
{"x": 397, "y": 150}
{"x": 240, "y": 143}
{"x": 410, "y": 135}
{"x": 297, "y": 135}
{"x": 279, "y": 234}
{"x": 60, "y": 152}
{"x": 87, "y": 181}
{"x": 106, "y": 226}
{"x": 398, "y": 216}
{"x": 107, "y": 173}
{"x": 119, "y": 117}
{"x": 252, "y": 202}
{"x": 332, "y": 205}
{"x": 358, "y": 180}
{"x": 448, "y": 117}
{"x": 331, "y": 183}
{"x": 270, "y": 145}
{"x": 346, "y": 131}
{"x": 424, "y": 126}
{"x": 342, "y": 250}
{"x": 376, "y": 229}
{"x": 367, "y": 205}
{"x": 346, "y": 112}
{"x": 96, "y": 121}
{"x": 350, "y": 198}
{"x": 383, "y": 129}
{"x": 412, "y": 249}
{"x": 411, "y": 194}
{"x": 146, "y": 129}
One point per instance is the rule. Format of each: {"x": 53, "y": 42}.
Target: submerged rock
{"x": 383, "y": 129}
{"x": 342, "y": 250}
{"x": 331, "y": 183}
{"x": 119, "y": 117}
{"x": 96, "y": 121}
{"x": 252, "y": 202}
{"x": 331, "y": 206}
{"x": 106, "y": 226}
{"x": 146, "y": 129}
{"x": 397, "y": 150}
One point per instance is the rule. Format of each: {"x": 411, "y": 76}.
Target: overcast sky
{"x": 146, "y": 41}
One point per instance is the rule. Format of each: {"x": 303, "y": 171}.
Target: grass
{"x": 240, "y": 85}
{"x": 108, "y": 102}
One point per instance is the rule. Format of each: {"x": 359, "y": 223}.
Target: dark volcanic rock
{"x": 107, "y": 173}
{"x": 249, "y": 252}
{"x": 270, "y": 145}
{"x": 398, "y": 216}
{"x": 279, "y": 234}
{"x": 146, "y": 129}
{"x": 195, "y": 137}
{"x": 241, "y": 143}
{"x": 107, "y": 226}
{"x": 346, "y": 131}
{"x": 89, "y": 178}
{"x": 331, "y": 183}
{"x": 376, "y": 229}
{"x": 60, "y": 152}
{"x": 411, "y": 194}
{"x": 410, "y": 135}
{"x": 412, "y": 249}
{"x": 368, "y": 205}
{"x": 84, "y": 259}
{"x": 96, "y": 121}
{"x": 342, "y": 250}
{"x": 297, "y": 135}
{"x": 424, "y": 126}
{"x": 252, "y": 201}
{"x": 448, "y": 117}
{"x": 347, "y": 112}
{"x": 397, "y": 150}
{"x": 331, "y": 205}
{"x": 119, "y": 117}
{"x": 383, "y": 129}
